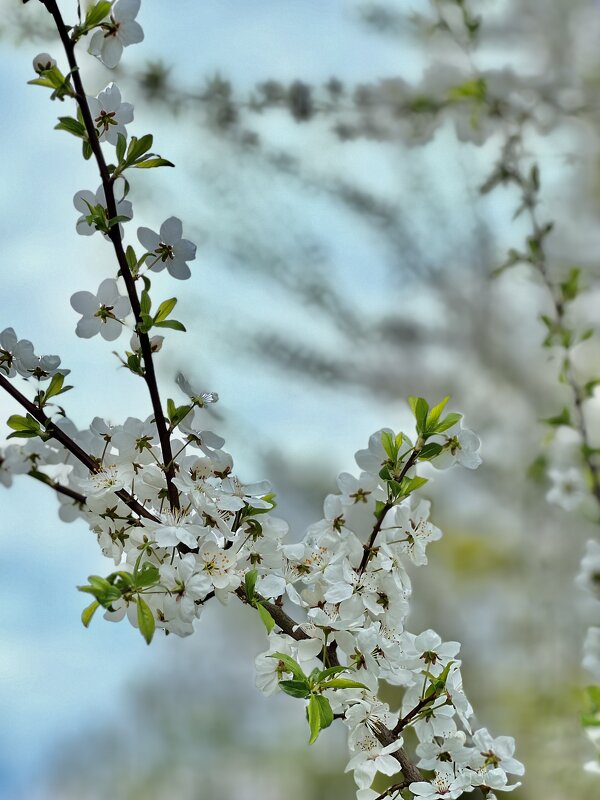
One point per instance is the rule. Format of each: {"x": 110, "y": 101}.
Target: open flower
{"x": 119, "y": 31}
{"x": 461, "y": 449}
{"x": 168, "y": 248}
{"x": 102, "y": 312}
{"x": 16, "y": 355}
{"x": 110, "y": 115}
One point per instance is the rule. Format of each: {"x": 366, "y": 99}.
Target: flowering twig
{"x": 115, "y": 237}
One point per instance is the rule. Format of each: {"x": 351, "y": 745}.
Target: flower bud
{"x": 43, "y": 62}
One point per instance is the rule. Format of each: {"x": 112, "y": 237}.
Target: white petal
{"x": 84, "y": 303}
{"x": 88, "y": 327}
{"x": 148, "y": 239}
{"x": 171, "y": 230}
{"x": 178, "y": 269}
{"x": 108, "y": 292}
{"x": 96, "y": 43}
{"x": 126, "y": 9}
{"x": 131, "y": 32}
{"x": 111, "y": 52}
{"x": 79, "y": 201}
{"x": 185, "y": 250}
{"x": 111, "y": 330}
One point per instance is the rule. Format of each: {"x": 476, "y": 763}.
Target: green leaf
{"x": 290, "y": 665}
{"x": 24, "y": 427}
{"x": 145, "y": 620}
{"x": 147, "y": 576}
{"x": 171, "y": 323}
{"x": 165, "y": 309}
{"x": 87, "y": 150}
{"x": 134, "y": 364}
{"x": 410, "y": 485}
{"x": 56, "y": 387}
{"x": 131, "y": 258}
{"x": 429, "y": 451}
{"x": 379, "y": 506}
{"x": 342, "y": 683}
{"x": 419, "y": 408}
{"x": 137, "y": 147}
{"x": 326, "y": 673}
{"x": 435, "y": 413}
{"x": 250, "y": 583}
{"x": 448, "y": 422}
{"x": 570, "y": 287}
{"x": 389, "y": 445}
{"x": 71, "y": 126}
{"x": 593, "y": 693}
{"x": 171, "y": 409}
{"x": 104, "y": 592}
{"x": 24, "y": 435}
{"x": 88, "y": 612}
{"x": 151, "y": 163}
{"x": 314, "y": 718}
{"x": 295, "y": 688}
{"x": 145, "y": 303}
{"x": 121, "y": 146}
{"x": 325, "y": 711}
{"x": 96, "y": 13}
{"x": 145, "y": 323}
{"x": 564, "y": 418}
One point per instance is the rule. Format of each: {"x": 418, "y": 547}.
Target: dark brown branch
{"x": 115, "y": 237}
{"x": 58, "y": 487}
{"x": 397, "y": 787}
{"x": 423, "y": 703}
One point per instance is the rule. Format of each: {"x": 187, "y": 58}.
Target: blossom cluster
{"x": 346, "y": 576}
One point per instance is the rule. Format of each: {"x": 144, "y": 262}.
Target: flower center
{"x": 105, "y": 119}
{"x": 165, "y": 252}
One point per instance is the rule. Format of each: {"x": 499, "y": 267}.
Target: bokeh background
{"x": 345, "y": 261}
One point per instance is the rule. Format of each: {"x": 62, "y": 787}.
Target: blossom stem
{"x": 540, "y": 262}
{"x": 115, "y": 237}
{"x": 368, "y": 548}
{"x": 423, "y": 703}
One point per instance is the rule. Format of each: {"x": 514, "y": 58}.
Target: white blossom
{"x": 102, "y": 312}
{"x": 168, "y": 248}
{"x": 461, "y": 449}
{"x": 118, "y": 32}
{"x": 110, "y": 115}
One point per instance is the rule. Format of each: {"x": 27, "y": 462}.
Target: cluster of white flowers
{"x": 17, "y": 357}
{"x": 161, "y": 496}
{"x": 347, "y": 577}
